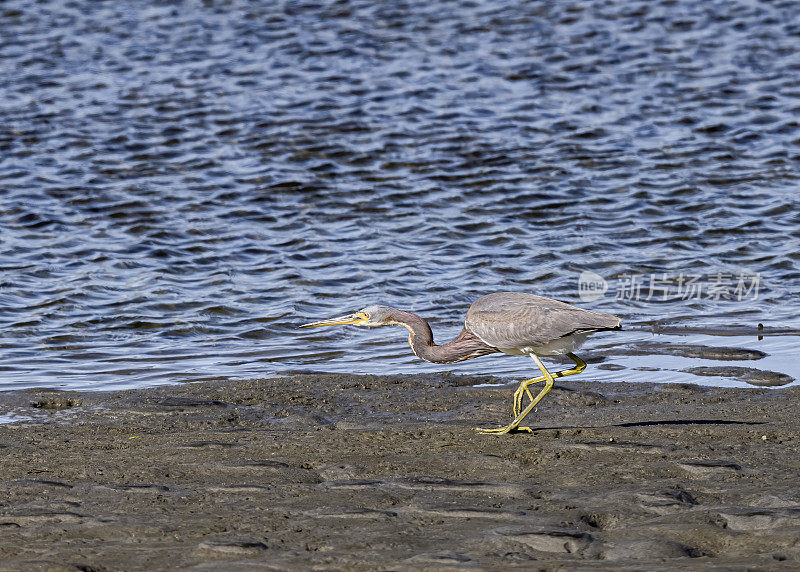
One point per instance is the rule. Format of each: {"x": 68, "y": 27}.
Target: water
{"x": 183, "y": 183}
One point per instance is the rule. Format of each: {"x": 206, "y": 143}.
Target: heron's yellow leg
{"x": 514, "y": 425}
{"x": 580, "y": 365}
{"x": 523, "y": 390}
{"x": 549, "y": 379}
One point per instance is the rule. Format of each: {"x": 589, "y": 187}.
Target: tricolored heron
{"x": 514, "y": 323}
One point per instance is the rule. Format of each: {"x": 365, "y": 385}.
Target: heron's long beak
{"x": 340, "y": 321}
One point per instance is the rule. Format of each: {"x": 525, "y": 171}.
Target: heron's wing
{"x": 517, "y": 320}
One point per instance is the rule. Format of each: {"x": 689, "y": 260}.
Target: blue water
{"x": 182, "y": 184}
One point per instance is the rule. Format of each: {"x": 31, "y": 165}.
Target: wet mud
{"x": 386, "y": 472}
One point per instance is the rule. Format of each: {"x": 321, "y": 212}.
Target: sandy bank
{"x": 386, "y": 472}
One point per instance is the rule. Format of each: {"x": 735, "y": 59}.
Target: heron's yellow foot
{"x": 502, "y": 430}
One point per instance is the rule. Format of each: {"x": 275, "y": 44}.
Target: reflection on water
{"x": 183, "y": 184}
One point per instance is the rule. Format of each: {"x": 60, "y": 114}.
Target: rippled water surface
{"x": 183, "y": 183}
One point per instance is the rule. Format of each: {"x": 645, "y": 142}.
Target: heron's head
{"x": 371, "y": 316}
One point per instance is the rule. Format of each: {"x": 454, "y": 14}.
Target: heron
{"x": 514, "y": 323}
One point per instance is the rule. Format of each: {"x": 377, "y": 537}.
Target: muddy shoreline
{"x": 334, "y": 471}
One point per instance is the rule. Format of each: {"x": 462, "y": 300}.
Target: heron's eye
{"x": 363, "y": 315}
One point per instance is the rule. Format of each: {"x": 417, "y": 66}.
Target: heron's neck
{"x": 464, "y": 346}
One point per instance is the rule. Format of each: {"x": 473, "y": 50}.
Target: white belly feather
{"x": 557, "y": 347}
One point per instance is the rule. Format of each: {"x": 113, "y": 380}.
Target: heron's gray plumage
{"x": 513, "y": 320}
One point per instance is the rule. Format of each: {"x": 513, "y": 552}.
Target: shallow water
{"x": 181, "y": 184}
